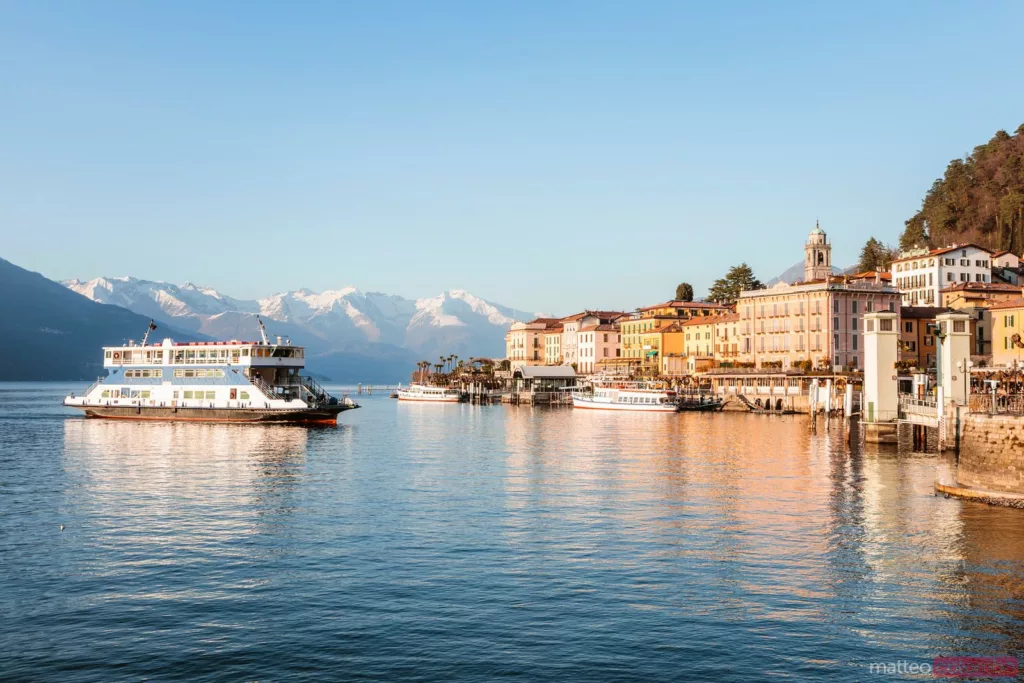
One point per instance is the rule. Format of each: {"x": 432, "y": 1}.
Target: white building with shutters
{"x": 920, "y": 274}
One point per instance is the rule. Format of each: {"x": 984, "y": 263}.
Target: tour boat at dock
{"x": 648, "y": 397}
{"x": 222, "y": 381}
{"x": 423, "y": 392}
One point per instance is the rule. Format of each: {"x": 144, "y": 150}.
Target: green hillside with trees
{"x": 980, "y": 199}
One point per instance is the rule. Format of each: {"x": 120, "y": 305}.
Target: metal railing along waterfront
{"x": 1000, "y": 404}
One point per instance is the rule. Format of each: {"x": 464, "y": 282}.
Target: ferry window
{"x": 158, "y": 373}
{"x": 202, "y": 355}
{"x": 220, "y": 373}
{"x": 145, "y": 394}
{"x": 179, "y": 373}
{"x": 190, "y": 373}
{"x": 211, "y": 395}
{"x": 135, "y": 393}
{"x": 107, "y": 354}
{"x": 175, "y": 396}
{"x": 147, "y": 373}
{"x": 159, "y": 356}
{"x": 190, "y": 356}
{"x": 106, "y": 394}
{"x": 244, "y": 395}
{"x": 188, "y": 394}
{"x": 245, "y": 352}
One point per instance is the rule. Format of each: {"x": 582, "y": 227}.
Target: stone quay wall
{"x": 992, "y": 453}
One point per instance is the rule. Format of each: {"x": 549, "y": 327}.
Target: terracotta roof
{"x": 676, "y": 326}
{"x": 684, "y": 304}
{"x": 871, "y": 274}
{"x": 1012, "y": 303}
{"x": 1004, "y": 252}
{"x": 727, "y": 318}
{"x": 982, "y": 287}
{"x": 557, "y": 327}
{"x": 944, "y": 250}
{"x": 702, "y": 320}
{"x": 607, "y": 327}
{"x": 921, "y": 312}
{"x": 604, "y": 315}
{"x": 548, "y": 322}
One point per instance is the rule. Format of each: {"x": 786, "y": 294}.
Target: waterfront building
{"x": 917, "y": 336}
{"x": 1008, "y": 332}
{"x": 598, "y": 338}
{"x": 976, "y": 299}
{"x": 524, "y": 342}
{"x": 727, "y": 339}
{"x": 964, "y": 295}
{"x": 921, "y": 274}
{"x": 699, "y": 343}
{"x": 816, "y": 323}
{"x": 553, "y": 344}
{"x": 669, "y": 344}
{"x": 646, "y": 320}
{"x": 570, "y": 333}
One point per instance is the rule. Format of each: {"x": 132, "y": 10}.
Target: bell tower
{"x": 817, "y": 255}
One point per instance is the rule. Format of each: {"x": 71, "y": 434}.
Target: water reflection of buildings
{"x": 153, "y": 473}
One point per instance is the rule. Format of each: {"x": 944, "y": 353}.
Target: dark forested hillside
{"x": 48, "y": 332}
{"x": 980, "y": 199}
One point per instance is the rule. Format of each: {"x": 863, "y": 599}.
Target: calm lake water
{"x": 462, "y": 543}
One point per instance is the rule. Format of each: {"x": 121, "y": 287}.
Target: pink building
{"x": 598, "y": 339}
{"x": 817, "y": 321}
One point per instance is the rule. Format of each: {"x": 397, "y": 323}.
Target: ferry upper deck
{"x": 240, "y": 353}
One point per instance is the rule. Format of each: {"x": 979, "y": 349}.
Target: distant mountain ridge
{"x": 52, "y": 333}
{"x": 795, "y": 273}
{"x": 349, "y": 335}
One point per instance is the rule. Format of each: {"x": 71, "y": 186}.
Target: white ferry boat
{"x": 648, "y": 397}
{"x": 224, "y": 381}
{"x": 423, "y": 392}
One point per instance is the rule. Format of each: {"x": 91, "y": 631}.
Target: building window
{"x": 854, "y": 347}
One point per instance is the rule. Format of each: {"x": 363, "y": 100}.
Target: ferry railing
{"x": 264, "y": 386}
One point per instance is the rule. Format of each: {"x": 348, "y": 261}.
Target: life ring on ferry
{"x": 117, "y": 355}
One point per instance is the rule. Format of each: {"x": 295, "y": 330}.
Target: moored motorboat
{"x": 429, "y": 394}
{"x": 222, "y": 381}
{"x": 648, "y": 397}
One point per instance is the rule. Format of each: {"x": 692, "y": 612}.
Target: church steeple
{"x": 817, "y": 255}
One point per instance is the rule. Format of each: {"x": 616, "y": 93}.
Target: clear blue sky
{"x": 545, "y": 155}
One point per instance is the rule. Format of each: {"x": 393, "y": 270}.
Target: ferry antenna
{"x": 263, "y": 331}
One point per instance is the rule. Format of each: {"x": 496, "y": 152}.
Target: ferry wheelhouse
{"x": 224, "y": 381}
{"x": 423, "y": 392}
{"x": 648, "y": 397}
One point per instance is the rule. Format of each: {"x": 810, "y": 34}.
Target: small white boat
{"x": 423, "y": 392}
{"x": 647, "y": 397}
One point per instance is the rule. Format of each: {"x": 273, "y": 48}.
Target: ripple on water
{"x": 472, "y": 543}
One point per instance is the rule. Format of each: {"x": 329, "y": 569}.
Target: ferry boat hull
{"x": 324, "y": 415}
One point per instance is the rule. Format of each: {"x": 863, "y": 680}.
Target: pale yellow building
{"x": 1008, "y": 332}
{"x": 727, "y": 339}
{"x": 646, "y": 320}
{"x": 553, "y": 345}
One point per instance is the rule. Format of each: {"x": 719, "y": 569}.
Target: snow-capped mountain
{"x": 337, "y": 321}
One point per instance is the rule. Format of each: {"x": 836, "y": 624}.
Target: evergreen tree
{"x": 726, "y": 290}
{"x": 684, "y": 292}
{"x": 875, "y": 256}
